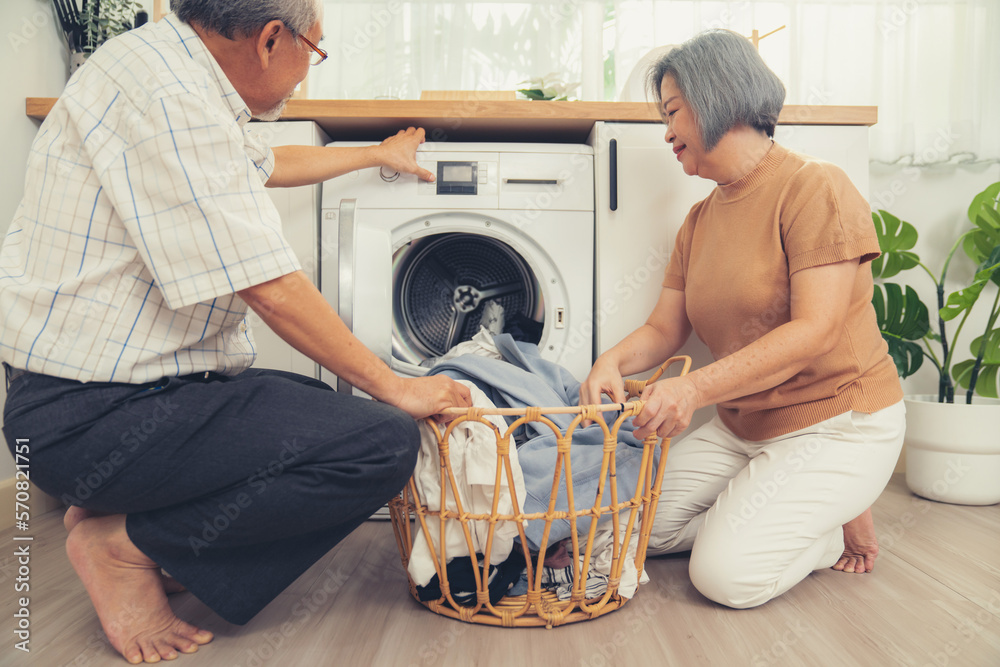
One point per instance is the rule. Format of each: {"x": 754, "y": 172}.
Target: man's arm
{"x": 307, "y": 165}
{"x": 295, "y": 310}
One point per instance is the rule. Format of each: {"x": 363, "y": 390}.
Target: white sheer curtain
{"x": 398, "y": 49}
{"x": 931, "y": 66}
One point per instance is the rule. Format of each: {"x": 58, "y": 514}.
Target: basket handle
{"x": 632, "y": 387}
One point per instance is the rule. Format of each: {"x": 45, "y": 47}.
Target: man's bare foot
{"x": 171, "y": 585}
{"x": 127, "y": 591}
{"x": 860, "y": 545}
{"x": 74, "y": 515}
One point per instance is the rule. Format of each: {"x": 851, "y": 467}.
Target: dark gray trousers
{"x": 233, "y": 485}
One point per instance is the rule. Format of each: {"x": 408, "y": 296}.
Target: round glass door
{"x": 441, "y": 284}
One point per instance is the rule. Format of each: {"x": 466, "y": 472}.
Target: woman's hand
{"x": 399, "y": 153}
{"x": 604, "y": 379}
{"x": 669, "y": 407}
{"x": 430, "y": 395}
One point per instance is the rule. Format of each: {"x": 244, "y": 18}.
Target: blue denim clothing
{"x": 523, "y": 378}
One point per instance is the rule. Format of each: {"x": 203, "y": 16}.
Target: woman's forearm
{"x": 761, "y": 365}
{"x": 820, "y": 301}
{"x": 641, "y": 350}
{"x": 651, "y": 344}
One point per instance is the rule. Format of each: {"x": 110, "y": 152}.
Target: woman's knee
{"x": 722, "y": 585}
{"x": 731, "y": 567}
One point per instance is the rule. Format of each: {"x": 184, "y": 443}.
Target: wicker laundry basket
{"x": 540, "y": 606}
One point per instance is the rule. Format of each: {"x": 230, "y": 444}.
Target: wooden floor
{"x": 934, "y": 599}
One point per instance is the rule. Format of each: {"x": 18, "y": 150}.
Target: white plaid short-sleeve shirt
{"x": 144, "y": 211}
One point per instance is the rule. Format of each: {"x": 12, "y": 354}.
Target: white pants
{"x": 760, "y": 516}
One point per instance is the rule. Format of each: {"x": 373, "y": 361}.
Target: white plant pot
{"x": 76, "y": 60}
{"x": 953, "y": 450}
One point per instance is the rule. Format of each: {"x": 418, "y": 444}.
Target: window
{"x": 931, "y": 66}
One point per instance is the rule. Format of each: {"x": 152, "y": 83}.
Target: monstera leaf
{"x": 895, "y": 238}
{"x": 964, "y": 299}
{"x": 902, "y": 319}
{"x": 989, "y": 370}
{"x": 991, "y": 265}
{"x": 982, "y": 244}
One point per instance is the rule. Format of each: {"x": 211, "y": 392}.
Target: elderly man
{"x": 125, "y": 279}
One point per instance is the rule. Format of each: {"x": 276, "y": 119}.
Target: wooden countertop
{"x": 491, "y": 120}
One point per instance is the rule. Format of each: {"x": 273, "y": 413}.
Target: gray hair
{"x": 241, "y": 18}
{"x": 725, "y": 81}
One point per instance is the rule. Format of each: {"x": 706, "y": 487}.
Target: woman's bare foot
{"x": 74, "y": 515}
{"x": 860, "y": 545}
{"x": 127, "y": 591}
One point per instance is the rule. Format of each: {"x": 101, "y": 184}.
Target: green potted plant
{"x": 952, "y": 446}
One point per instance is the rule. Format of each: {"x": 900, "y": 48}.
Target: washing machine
{"x": 411, "y": 266}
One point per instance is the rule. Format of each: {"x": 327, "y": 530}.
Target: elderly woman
{"x": 770, "y": 271}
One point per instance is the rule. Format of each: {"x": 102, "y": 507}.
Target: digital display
{"x": 458, "y": 173}
{"x": 457, "y": 178}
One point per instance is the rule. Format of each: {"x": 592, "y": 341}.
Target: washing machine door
{"x": 442, "y": 286}
{"x": 412, "y": 289}
{"x": 363, "y": 290}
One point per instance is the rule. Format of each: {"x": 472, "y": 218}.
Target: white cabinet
{"x": 299, "y": 209}
{"x": 642, "y": 197}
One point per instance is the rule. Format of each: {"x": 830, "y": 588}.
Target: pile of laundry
{"x": 502, "y": 372}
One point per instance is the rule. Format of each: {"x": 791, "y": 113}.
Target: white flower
{"x": 551, "y": 87}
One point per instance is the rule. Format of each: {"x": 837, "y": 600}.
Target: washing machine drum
{"x": 441, "y": 284}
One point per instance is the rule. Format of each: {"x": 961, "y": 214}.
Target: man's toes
{"x": 182, "y": 643}
{"x": 133, "y": 655}
{"x": 150, "y": 654}
{"x": 165, "y": 647}
{"x": 197, "y": 635}
{"x": 189, "y": 634}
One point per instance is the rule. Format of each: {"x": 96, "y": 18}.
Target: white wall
{"x": 33, "y": 63}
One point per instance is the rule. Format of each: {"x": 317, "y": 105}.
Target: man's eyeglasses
{"x": 320, "y": 54}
